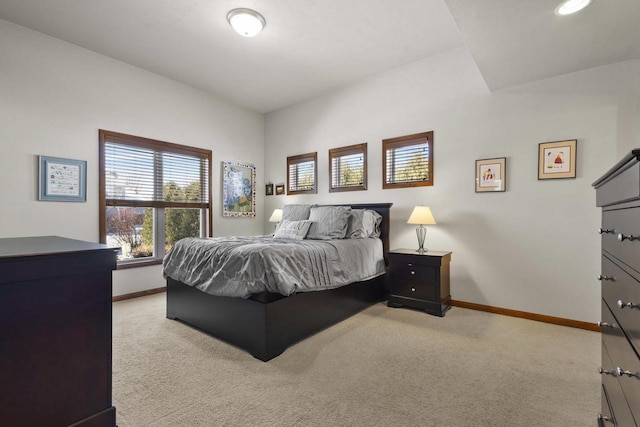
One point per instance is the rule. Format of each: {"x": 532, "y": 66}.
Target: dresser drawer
{"x": 614, "y": 403}
{"x": 619, "y": 287}
{"x": 619, "y": 224}
{"x": 623, "y": 360}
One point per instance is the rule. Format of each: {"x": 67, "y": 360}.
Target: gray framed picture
{"x": 62, "y": 180}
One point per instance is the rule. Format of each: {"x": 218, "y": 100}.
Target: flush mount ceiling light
{"x": 571, "y": 6}
{"x": 246, "y": 22}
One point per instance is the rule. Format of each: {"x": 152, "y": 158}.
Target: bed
{"x": 266, "y": 323}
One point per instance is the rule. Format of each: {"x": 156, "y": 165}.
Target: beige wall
{"x": 533, "y": 248}
{"x": 53, "y": 99}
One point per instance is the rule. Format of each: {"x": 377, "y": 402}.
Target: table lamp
{"x": 421, "y": 215}
{"x": 276, "y": 216}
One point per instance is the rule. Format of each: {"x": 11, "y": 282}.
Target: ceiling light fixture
{"x": 246, "y": 22}
{"x": 571, "y": 6}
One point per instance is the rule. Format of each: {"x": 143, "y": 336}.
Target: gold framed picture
{"x": 557, "y": 160}
{"x": 491, "y": 175}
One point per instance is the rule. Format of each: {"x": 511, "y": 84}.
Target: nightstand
{"x": 420, "y": 280}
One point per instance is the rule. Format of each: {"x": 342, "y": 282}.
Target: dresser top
{"x": 45, "y": 245}
{"x": 628, "y": 160}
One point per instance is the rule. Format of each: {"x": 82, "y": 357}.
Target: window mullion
{"x": 159, "y": 226}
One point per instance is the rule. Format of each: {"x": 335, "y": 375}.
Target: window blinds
{"x": 144, "y": 176}
{"x": 407, "y": 163}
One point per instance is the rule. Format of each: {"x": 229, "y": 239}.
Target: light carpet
{"x": 381, "y": 367}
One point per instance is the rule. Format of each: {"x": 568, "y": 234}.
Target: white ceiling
{"x": 310, "y": 47}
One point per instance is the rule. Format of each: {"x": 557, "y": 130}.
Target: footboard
{"x": 266, "y": 329}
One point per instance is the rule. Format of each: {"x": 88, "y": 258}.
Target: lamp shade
{"x": 421, "y": 215}
{"x": 276, "y": 216}
{"x": 246, "y": 22}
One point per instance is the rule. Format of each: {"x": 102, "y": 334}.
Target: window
{"x": 302, "y": 174}
{"x": 152, "y": 194}
{"x": 407, "y": 161}
{"x": 348, "y": 168}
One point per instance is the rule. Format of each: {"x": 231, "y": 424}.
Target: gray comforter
{"x": 241, "y": 266}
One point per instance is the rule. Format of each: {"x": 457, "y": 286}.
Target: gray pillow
{"x": 371, "y": 223}
{"x": 355, "y": 229}
{"x": 328, "y": 222}
{"x": 296, "y": 230}
{"x": 296, "y": 212}
{"x": 363, "y": 223}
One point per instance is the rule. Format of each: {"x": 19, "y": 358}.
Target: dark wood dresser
{"x": 55, "y": 336}
{"x": 420, "y": 280}
{"x": 618, "y": 193}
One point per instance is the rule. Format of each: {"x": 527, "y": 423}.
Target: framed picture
{"x": 269, "y": 189}
{"x": 491, "y": 175}
{"x": 279, "y": 189}
{"x": 62, "y": 180}
{"x": 239, "y": 190}
{"x": 557, "y": 159}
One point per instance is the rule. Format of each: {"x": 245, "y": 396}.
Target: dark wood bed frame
{"x": 266, "y": 324}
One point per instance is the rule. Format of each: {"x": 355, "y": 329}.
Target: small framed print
{"x": 269, "y": 189}
{"x": 279, "y": 189}
{"x": 557, "y": 160}
{"x": 62, "y": 180}
{"x": 491, "y": 175}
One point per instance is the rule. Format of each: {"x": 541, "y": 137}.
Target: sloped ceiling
{"x": 310, "y": 47}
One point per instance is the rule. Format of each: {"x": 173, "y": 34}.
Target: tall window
{"x": 152, "y": 194}
{"x": 348, "y": 168}
{"x": 302, "y": 174}
{"x": 408, "y": 161}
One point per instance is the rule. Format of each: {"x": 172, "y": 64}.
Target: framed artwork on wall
{"x": 62, "y": 180}
{"x": 269, "y": 189}
{"x": 279, "y": 189}
{"x": 491, "y": 175}
{"x": 557, "y": 160}
{"x": 239, "y": 189}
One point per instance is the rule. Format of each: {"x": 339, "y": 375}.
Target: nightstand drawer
{"x": 414, "y": 273}
{"x": 411, "y": 289}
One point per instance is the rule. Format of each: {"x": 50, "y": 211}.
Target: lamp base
{"x": 421, "y": 232}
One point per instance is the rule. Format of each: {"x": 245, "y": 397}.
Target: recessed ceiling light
{"x": 246, "y": 22}
{"x": 571, "y": 6}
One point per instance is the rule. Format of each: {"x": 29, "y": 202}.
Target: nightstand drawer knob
{"x": 410, "y": 265}
{"x": 413, "y": 272}
{"x": 413, "y": 289}
{"x": 622, "y": 304}
{"x": 605, "y": 230}
{"x": 620, "y": 372}
{"x": 604, "y": 277}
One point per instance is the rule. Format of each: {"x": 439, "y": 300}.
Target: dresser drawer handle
{"x": 629, "y": 237}
{"x": 620, "y": 372}
{"x": 607, "y": 325}
{"x": 622, "y": 304}
{"x": 413, "y": 273}
{"x": 605, "y": 372}
{"x": 410, "y": 265}
{"x": 413, "y": 289}
{"x": 601, "y": 277}
{"x": 602, "y": 419}
{"x": 606, "y": 230}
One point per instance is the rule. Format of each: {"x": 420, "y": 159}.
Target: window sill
{"x": 135, "y": 264}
